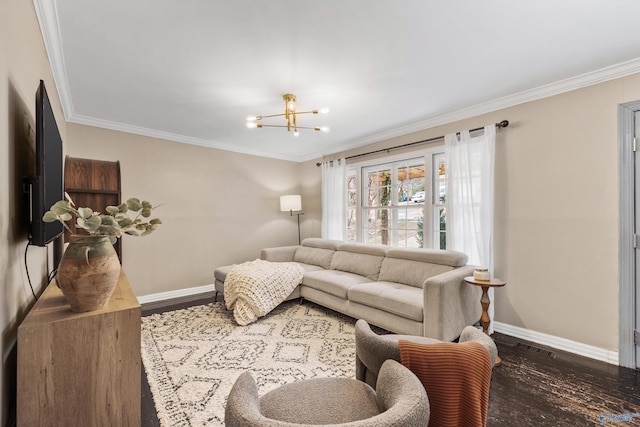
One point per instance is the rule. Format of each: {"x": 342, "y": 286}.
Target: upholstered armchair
{"x": 373, "y": 349}
{"x": 456, "y": 376}
{"x": 399, "y": 399}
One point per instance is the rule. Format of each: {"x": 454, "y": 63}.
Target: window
{"x": 393, "y": 203}
{"x": 387, "y": 202}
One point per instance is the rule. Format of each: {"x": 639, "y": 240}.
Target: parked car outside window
{"x": 418, "y": 197}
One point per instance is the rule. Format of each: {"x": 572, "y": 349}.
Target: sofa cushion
{"x": 316, "y": 242}
{"x": 364, "y": 248}
{"x": 359, "y": 258}
{"x": 279, "y": 254}
{"x": 310, "y": 267}
{"x": 432, "y": 256}
{"x": 396, "y": 298}
{"x": 408, "y": 272}
{"x": 314, "y": 256}
{"x": 333, "y": 282}
{"x": 220, "y": 273}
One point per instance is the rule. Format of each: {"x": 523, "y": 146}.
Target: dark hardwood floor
{"x": 537, "y": 386}
{"x": 534, "y": 386}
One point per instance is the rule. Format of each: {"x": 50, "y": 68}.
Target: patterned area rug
{"x": 193, "y": 356}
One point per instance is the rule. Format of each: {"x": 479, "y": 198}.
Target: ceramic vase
{"x": 88, "y": 272}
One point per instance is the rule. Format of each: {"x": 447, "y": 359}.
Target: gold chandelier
{"x": 290, "y": 114}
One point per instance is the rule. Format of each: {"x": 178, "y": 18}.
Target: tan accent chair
{"x": 373, "y": 349}
{"x": 399, "y": 400}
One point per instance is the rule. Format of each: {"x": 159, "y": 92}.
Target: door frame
{"x": 626, "y": 252}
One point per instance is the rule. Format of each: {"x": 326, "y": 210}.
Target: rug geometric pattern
{"x": 193, "y": 356}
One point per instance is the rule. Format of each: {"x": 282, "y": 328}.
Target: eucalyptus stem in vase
{"x": 132, "y": 217}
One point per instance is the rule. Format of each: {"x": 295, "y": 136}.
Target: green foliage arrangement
{"x": 132, "y": 217}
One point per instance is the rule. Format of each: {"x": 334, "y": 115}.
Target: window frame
{"x": 435, "y": 204}
{"x": 357, "y": 169}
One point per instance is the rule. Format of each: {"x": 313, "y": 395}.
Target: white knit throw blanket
{"x": 254, "y": 288}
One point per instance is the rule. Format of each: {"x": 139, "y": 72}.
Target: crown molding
{"x": 577, "y": 82}
{"x": 48, "y": 20}
{"x": 152, "y": 133}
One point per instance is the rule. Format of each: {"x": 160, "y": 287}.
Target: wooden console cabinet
{"x": 80, "y": 369}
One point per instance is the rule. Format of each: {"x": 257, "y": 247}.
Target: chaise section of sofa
{"x": 404, "y": 290}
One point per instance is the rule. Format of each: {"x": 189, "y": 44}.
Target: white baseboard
{"x": 597, "y": 353}
{"x": 180, "y": 293}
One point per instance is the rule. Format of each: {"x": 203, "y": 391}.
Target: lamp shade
{"x": 291, "y": 203}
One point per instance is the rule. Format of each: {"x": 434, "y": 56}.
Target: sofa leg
{"x": 215, "y": 297}
{"x": 301, "y": 301}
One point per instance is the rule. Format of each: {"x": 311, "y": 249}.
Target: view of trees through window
{"x": 439, "y": 197}
{"x": 386, "y": 203}
{"x": 352, "y": 205}
{"x": 393, "y": 203}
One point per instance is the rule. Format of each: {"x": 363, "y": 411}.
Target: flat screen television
{"x": 46, "y": 187}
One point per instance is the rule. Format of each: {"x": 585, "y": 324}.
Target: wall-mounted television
{"x": 46, "y": 187}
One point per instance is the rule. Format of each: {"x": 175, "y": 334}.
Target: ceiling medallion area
{"x": 291, "y": 116}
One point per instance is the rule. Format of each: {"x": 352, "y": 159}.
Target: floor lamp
{"x": 292, "y": 203}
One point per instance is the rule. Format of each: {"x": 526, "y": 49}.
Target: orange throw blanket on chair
{"x": 456, "y": 377}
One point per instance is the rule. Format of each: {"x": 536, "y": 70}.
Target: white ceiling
{"x": 193, "y": 70}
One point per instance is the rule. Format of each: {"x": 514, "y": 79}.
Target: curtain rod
{"x": 502, "y": 124}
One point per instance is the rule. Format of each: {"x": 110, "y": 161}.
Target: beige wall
{"x": 556, "y": 224}
{"x": 310, "y": 178}
{"x": 217, "y": 207}
{"x": 23, "y": 62}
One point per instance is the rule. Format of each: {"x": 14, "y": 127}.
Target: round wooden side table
{"x": 485, "y": 320}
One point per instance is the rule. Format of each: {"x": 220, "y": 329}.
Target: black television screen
{"x": 47, "y": 184}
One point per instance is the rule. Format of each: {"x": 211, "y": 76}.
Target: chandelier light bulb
{"x": 325, "y": 129}
{"x": 323, "y": 110}
{"x": 251, "y": 125}
{"x": 252, "y": 118}
{"x": 296, "y": 133}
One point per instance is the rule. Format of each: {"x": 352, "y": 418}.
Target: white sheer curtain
{"x": 470, "y": 194}
{"x": 333, "y": 199}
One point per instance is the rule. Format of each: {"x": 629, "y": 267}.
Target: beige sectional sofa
{"x": 403, "y": 290}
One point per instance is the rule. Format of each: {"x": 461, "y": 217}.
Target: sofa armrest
{"x": 450, "y": 304}
{"x": 279, "y": 254}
